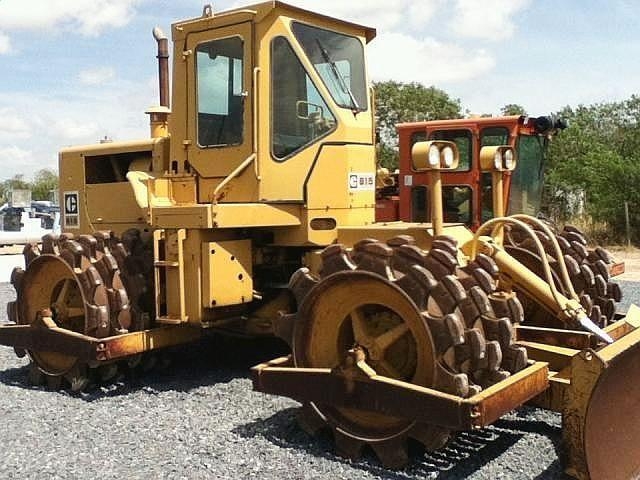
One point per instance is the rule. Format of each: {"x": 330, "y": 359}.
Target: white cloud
{"x": 13, "y": 125}
{"x": 68, "y": 129}
{"x": 380, "y": 14}
{"x": 16, "y": 160}
{"x": 401, "y": 57}
{"x": 90, "y": 17}
{"x": 487, "y": 20}
{"x": 403, "y": 52}
{"x": 97, "y": 75}
{"x": 74, "y": 115}
{"x": 14, "y": 154}
{"x": 5, "y": 44}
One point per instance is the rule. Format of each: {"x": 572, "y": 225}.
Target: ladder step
{"x": 170, "y": 320}
{"x": 163, "y": 263}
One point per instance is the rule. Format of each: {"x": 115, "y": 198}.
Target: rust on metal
{"x": 86, "y": 348}
{"x": 58, "y": 340}
{"x": 616, "y": 269}
{"x": 620, "y": 328}
{"x": 600, "y": 433}
{"x": 554, "y": 397}
{"x": 558, "y": 358}
{"x": 119, "y": 346}
{"x": 400, "y": 399}
{"x": 493, "y": 402}
{"x": 554, "y": 336}
{"x": 611, "y": 428}
{"x": 375, "y": 394}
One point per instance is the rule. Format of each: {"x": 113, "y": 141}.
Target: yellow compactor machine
{"x": 250, "y": 210}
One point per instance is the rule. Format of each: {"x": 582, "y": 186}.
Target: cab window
{"x": 490, "y": 137}
{"x": 527, "y": 179}
{"x": 220, "y": 92}
{"x": 494, "y": 136}
{"x": 456, "y": 204}
{"x": 462, "y": 138}
{"x": 299, "y": 113}
{"x": 416, "y": 137}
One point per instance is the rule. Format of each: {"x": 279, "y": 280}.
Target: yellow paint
{"x": 226, "y": 273}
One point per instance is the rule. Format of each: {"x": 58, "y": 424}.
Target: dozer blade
{"x": 600, "y": 417}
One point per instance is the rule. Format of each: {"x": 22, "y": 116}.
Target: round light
{"x": 434, "y": 156}
{"x": 447, "y": 157}
{"x": 497, "y": 160}
{"x": 508, "y": 159}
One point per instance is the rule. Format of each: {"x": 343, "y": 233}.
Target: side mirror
{"x": 307, "y": 110}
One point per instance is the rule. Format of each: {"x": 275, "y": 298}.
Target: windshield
{"x": 339, "y": 61}
{"x": 526, "y": 181}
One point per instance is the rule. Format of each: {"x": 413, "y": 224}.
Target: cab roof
{"x": 465, "y": 122}
{"x": 260, "y": 10}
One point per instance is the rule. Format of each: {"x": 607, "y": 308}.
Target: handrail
{"x": 255, "y": 138}
{"x": 238, "y": 170}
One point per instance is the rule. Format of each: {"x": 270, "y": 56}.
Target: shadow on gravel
{"x": 552, "y": 432}
{"x": 16, "y": 377}
{"x": 466, "y": 454}
{"x": 210, "y": 361}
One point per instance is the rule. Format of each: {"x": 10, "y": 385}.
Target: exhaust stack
{"x": 163, "y": 65}
{"x": 158, "y": 116}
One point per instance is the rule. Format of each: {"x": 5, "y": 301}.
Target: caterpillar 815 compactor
{"x": 251, "y": 211}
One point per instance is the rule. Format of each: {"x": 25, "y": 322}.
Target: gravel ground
{"x": 200, "y": 419}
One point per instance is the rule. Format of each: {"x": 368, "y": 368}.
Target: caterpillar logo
{"x": 71, "y": 208}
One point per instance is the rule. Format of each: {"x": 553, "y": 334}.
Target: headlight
{"x": 508, "y": 159}
{"x": 497, "y": 160}
{"x": 448, "y": 157}
{"x": 434, "y": 156}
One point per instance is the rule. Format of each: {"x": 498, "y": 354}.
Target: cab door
{"x": 219, "y": 115}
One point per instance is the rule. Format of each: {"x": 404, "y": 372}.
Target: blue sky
{"x": 74, "y": 71}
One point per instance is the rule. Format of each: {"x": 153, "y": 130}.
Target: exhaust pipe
{"x": 163, "y": 65}
{"x": 158, "y": 116}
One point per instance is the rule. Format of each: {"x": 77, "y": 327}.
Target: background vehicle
{"x": 467, "y": 191}
{"x": 23, "y": 221}
{"x": 468, "y": 197}
{"x": 255, "y": 216}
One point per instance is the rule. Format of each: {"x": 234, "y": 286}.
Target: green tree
{"x": 398, "y": 102}
{"x": 598, "y": 156}
{"x": 44, "y": 181}
{"x": 513, "y": 109}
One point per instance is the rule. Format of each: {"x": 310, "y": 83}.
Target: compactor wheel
{"x": 409, "y": 327}
{"x": 73, "y": 283}
{"x": 478, "y": 300}
{"x": 588, "y": 271}
{"x": 134, "y": 254}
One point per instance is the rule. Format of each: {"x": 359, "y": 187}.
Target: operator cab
{"x": 271, "y": 92}
{"x": 467, "y": 191}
